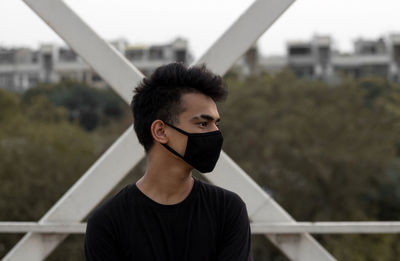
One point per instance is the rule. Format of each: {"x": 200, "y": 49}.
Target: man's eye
{"x": 203, "y": 124}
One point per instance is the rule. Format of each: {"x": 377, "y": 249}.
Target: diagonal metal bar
{"x": 99, "y": 54}
{"x": 39, "y": 246}
{"x": 113, "y": 166}
{"x": 219, "y": 57}
{"x": 243, "y": 33}
{"x": 82, "y": 197}
{"x": 263, "y": 209}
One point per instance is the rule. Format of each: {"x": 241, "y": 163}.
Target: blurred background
{"x": 314, "y": 104}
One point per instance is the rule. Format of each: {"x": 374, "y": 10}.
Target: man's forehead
{"x": 196, "y": 105}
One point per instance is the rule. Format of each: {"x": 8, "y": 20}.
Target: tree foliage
{"x": 41, "y": 156}
{"x": 324, "y": 153}
{"x": 89, "y": 106}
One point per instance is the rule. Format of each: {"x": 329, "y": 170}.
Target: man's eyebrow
{"x": 206, "y": 117}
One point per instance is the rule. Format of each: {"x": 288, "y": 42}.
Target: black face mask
{"x": 202, "y": 149}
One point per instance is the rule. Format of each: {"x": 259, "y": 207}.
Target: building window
{"x": 156, "y": 53}
{"x": 299, "y": 50}
{"x": 67, "y": 55}
{"x": 35, "y": 57}
{"x": 48, "y": 62}
{"x": 134, "y": 55}
{"x": 324, "y": 55}
{"x": 7, "y": 56}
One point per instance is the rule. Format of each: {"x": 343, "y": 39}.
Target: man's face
{"x": 200, "y": 114}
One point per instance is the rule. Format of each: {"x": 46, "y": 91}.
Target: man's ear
{"x": 158, "y": 131}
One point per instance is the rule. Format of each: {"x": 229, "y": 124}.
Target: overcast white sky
{"x": 201, "y": 22}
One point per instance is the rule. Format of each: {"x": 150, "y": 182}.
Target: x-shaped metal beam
{"x": 126, "y": 152}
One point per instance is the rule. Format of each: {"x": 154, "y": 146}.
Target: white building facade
{"x": 318, "y": 59}
{"x": 23, "y": 68}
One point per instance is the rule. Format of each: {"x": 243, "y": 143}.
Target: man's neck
{"x": 165, "y": 182}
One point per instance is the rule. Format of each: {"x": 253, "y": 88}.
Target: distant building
{"x": 317, "y": 59}
{"x": 19, "y": 68}
{"x": 22, "y": 68}
{"x": 311, "y": 59}
{"x": 148, "y": 58}
{"x": 371, "y": 57}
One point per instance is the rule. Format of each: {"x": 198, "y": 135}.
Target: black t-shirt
{"x": 211, "y": 223}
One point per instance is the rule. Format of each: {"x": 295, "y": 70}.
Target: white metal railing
{"x": 383, "y": 227}
{"x": 42, "y": 228}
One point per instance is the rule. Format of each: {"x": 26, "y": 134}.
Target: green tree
{"x": 41, "y": 156}
{"x": 89, "y": 106}
{"x": 322, "y": 152}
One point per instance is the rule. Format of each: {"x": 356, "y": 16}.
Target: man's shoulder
{"x": 214, "y": 192}
{"x": 111, "y": 206}
{"x": 230, "y": 209}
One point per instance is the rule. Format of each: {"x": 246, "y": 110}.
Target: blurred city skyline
{"x": 151, "y": 22}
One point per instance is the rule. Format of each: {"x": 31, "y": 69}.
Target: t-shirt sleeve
{"x": 100, "y": 240}
{"x": 235, "y": 243}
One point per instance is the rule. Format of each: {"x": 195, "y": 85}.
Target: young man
{"x": 168, "y": 214}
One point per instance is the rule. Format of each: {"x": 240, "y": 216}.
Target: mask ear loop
{"x": 173, "y": 151}
{"x": 168, "y": 147}
{"x": 177, "y": 129}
